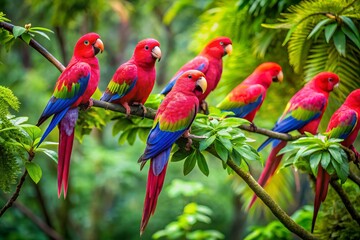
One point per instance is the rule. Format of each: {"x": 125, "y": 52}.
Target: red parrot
{"x": 343, "y": 124}
{"x": 173, "y": 119}
{"x": 75, "y": 86}
{"x": 303, "y": 113}
{"x": 246, "y": 99}
{"x": 209, "y": 61}
{"x": 134, "y": 80}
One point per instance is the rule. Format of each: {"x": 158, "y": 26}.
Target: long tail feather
{"x": 153, "y": 188}
{"x": 271, "y": 165}
{"x": 321, "y": 189}
{"x": 66, "y": 139}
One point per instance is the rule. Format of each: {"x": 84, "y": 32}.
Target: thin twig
{"x": 344, "y": 198}
{"x": 38, "y": 221}
{"x": 37, "y": 46}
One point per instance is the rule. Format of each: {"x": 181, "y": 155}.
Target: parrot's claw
{"x": 88, "y": 105}
{"x": 127, "y": 109}
{"x": 204, "y": 107}
{"x": 253, "y": 127}
{"x": 140, "y": 105}
{"x": 189, "y": 140}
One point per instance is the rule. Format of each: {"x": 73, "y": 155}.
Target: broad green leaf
{"x": 352, "y": 36}
{"x": 180, "y": 155}
{"x": 221, "y": 150}
{"x": 325, "y": 159}
{"x": 17, "y": 31}
{"x": 204, "y": 144}
{"x": 351, "y": 25}
{"x": 226, "y": 142}
{"x": 318, "y": 26}
{"x": 329, "y": 31}
{"x": 233, "y": 122}
{"x": 42, "y": 29}
{"x": 236, "y": 156}
{"x": 201, "y": 162}
{"x": 50, "y": 153}
{"x": 132, "y": 136}
{"x": 335, "y": 154}
{"x": 342, "y": 170}
{"x": 34, "y": 171}
{"x": 340, "y": 42}
{"x": 247, "y": 153}
{"x": 26, "y": 37}
{"x": 189, "y": 164}
{"x": 314, "y": 162}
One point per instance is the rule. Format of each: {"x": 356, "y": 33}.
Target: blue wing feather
{"x": 246, "y": 109}
{"x": 159, "y": 141}
{"x": 109, "y": 97}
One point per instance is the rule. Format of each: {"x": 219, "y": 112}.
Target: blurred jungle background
{"x": 106, "y": 191}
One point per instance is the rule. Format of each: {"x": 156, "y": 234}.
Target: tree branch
{"x": 9, "y": 27}
{"x": 354, "y": 178}
{"x": 344, "y": 198}
{"x": 270, "y": 203}
{"x": 38, "y": 222}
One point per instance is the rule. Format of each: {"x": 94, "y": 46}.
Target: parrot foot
{"x": 127, "y": 109}
{"x": 88, "y": 105}
{"x": 253, "y": 127}
{"x": 140, "y": 105}
{"x": 187, "y": 135}
{"x": 204, "y": 107}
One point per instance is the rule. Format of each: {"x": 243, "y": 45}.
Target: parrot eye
{"x": 221, "y": 43}
{"x": 330, "y": 79}
{"x": 189, "y": 76}
{"x": 146, "y": 47}
{"x": 86, "y": 42}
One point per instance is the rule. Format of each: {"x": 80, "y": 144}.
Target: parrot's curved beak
{"x": 279, "y": 77}
{"x": 156, "y": 53}
{"x": 228, "y": 49}
{"x": 98, "y": 46}
{"x": 202, "y": 83}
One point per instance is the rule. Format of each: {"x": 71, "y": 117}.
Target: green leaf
{"x": 340, "y": 42}
{"x": 342, "y": 170}
{"x": 236, "y": 156}
{"x": 233, "y": 122}
{"x": 351, "y": 25}
{"x": 189, "y": 164}
{"x": 329, "y": 31}
{"x": 335, "y": 154}
{"x": 226, "y": 142}
{"x": 26, "y": 37}
{"x": 180, "y": 155}
{"x": 50, "y": 153}
{"x": 201, "y": 162}
{"x": 318, "y": 26}
{"x": 42, "y": 34}
{"x": 34, "y": 171}
{"x": 221, "y": 150}
{"x": 314, "y": 162}
{"x": 17, "y": 31}
{"x": 325, "y": 159}
{"x": 204, "y": 144}
{"x": 352, "y": 36}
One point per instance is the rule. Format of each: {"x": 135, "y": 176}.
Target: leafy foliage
{"x": 323, "y": 36}
{"x": 334, "y": 221}
{"x": 309, "y": 152}
{"x": 18, "y": 141}
{"x": 223, "y": 138}
{"x": 183, "y": 227}
{"x": 275, "y": 230}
